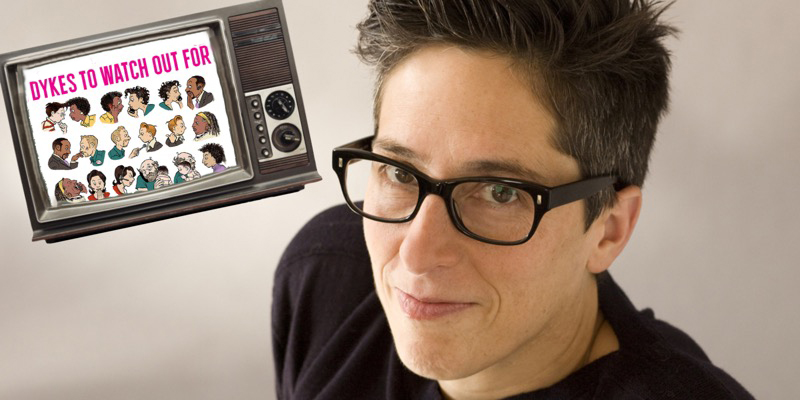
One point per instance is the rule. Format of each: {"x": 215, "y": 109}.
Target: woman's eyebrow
{"x": 506, "y": 168}
{"x": 394, "y": 147}
{"x": 509, "y": 168}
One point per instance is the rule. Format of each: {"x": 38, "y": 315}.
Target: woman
{"x": 123, "y": 178}
{"x": 205, "y": 126}
{"x": 176, "y": 128}
{"x": 139, "y": 101}
{"x": 97, "y": 185}
{"x": 170, "y": 93}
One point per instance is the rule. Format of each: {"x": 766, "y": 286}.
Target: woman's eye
{"x": 501, "y": 194}
{"x": 398, "y": 175}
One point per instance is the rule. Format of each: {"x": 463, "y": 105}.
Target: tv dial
{"x": 279, "y": 105}
{"x": 286, "y": 138}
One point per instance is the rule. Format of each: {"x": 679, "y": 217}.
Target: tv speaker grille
{"x": 271, "y": 166}
{"x": 260, "y": 50}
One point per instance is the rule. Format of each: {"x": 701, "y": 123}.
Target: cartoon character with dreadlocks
{"x": 205, "y": 126}
{"x": 69, "y": 191}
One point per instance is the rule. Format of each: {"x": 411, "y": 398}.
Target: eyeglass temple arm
{"x": 574, "y": 191}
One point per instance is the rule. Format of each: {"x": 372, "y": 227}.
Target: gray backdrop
{"x": 715, "y": 251}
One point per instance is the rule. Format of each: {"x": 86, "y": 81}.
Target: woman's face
{"x": 97, "y": 184}
{"x": 208, "y": 160}
{"x": 127, "y": 180}
{"x": 183, "y": 169}
{"x": 173, "y": 93}
{"x": 459, "y": 308}
{"x": 200, "y": 125}
{"x": 73, "y": 189}
{"x": 135, "y": 102}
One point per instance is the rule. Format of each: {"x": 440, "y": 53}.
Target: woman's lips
{"x": 427, "y": 309}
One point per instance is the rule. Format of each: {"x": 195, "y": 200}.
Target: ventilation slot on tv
{"x": 269, "y": 167}
{"x": 260, "y": 50}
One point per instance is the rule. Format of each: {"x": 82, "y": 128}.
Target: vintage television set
{"x": 160, "y": 120}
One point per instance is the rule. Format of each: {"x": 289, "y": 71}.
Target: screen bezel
{"x": 38, "y": 194}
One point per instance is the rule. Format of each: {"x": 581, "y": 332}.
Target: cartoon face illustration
{"x": 145, "y": 135}
{"x": 116, "y": 105}
{"x": 72, "y": 188}
{"x": 121, "y": 137}
{"x": 128, "y": 180}
{"x": 63, "y": 150}
{"x": 125, "y": 138}
{"x": 59, "y": 115}
{"x": 208, "y": 160}
{"x": 149, "y": 169}
{"x": 213, "y": 156}
{"x": 186, "y": 157}
{"x": 192, "y": 87}
{"x": 87, "y": 149}
{"x": 173, "y": 93}
{"x": 184, "y": 168}
{"x": 75, "y": 114}
{"x": 180, "y": 127}
{"x": 200, "y": 125}
{"x": 97, "y": 184}
{"x": 79, "y": 108}
{"x": 112, "y": 104}
{"x": 180, "y": 158}
{"x": 135, "y": 102}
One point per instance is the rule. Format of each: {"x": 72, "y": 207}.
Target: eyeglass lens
{"x": 491, "y": 210}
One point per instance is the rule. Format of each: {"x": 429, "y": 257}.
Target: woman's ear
{"x": 615, "y": 227}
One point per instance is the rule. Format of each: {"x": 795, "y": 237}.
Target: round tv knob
{"x": 286, "y": 138}
{"x": 279, "y": 105}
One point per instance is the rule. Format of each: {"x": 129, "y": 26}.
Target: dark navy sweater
{"x": 331, "y": 339}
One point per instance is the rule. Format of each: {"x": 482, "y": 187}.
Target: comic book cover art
{"x": 129, "y": 120}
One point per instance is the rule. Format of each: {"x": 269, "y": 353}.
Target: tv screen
{"x": 152, "y": 122}
{"x": 129, "y": 121}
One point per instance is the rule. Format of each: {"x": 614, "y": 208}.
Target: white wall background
{"x": 715, "y": 252}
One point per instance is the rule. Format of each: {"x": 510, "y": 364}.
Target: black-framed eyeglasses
{"x": 494, "y": 210}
